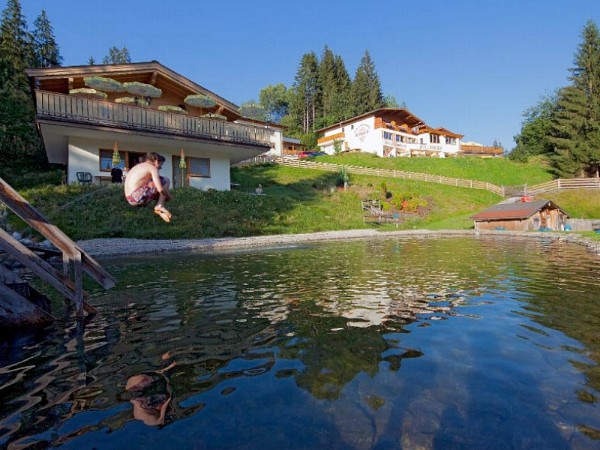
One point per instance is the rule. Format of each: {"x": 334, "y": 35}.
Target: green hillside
{"x": 499, "y": 171}
{"x": 296, "y": 201}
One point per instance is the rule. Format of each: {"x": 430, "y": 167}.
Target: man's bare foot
{"x": 163, "y": 213}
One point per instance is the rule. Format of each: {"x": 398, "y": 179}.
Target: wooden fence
{"x": 504, "y": 191}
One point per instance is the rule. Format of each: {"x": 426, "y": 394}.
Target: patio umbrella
{"x": 172, "y": 108}
{"x": 142, "y": 89}
{"x": 200, "y": 101}
{"x": 132, "y": 100}
{"x": 104, "y": 84}
{"x": 88, "y": 93}
{"x": 253, "y": 111}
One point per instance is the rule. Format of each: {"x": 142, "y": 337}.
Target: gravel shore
{"x": 109, "y": 247}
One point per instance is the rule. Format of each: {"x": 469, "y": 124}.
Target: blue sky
{"x": 470, "y": 66}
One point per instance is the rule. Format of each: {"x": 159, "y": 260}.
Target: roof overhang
{"x": 62, "y": 79}
{"x": 400, "y": 115}
{"x": 56, "y": 137}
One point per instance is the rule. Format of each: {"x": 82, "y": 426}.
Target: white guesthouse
{"x": 86, "y": 113}
{"x": 389, "y": 132}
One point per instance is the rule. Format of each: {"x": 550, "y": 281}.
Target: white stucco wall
{"x": 276, "y": 141}
{"x": 219, "y": 176}
{"x": 360, "y": 135}
{"x": 84, "y": 156}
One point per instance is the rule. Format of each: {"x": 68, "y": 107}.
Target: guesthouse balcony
{"x": 68, "y": 109}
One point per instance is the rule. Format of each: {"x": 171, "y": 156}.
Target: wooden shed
{"x": 523, "y": 215}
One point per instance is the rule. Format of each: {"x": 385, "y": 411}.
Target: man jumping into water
{"x": 143, "y": 184}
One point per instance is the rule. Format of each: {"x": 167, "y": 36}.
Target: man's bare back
{"x": 144, "y": 184}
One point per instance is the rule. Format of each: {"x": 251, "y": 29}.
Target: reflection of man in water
{"x": 151, "y": 395}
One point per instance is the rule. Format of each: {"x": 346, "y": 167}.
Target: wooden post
{"x": 51, "y": 232}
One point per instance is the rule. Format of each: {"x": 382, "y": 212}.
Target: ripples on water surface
{"x": 415, "y": 343}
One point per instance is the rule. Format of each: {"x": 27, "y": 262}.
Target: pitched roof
{"x": 57, "y": 79}
{"x": 398, "y": 114}
{"x": 517, "y": 210}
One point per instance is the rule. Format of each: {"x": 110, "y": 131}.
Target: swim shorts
{"x": 144, "y": 194}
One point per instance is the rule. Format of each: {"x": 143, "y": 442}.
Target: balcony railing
{"x": 51, "y": 105}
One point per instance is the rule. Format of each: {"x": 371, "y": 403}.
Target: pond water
{"x": 469, "y": 343}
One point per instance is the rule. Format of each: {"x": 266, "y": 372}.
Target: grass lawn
{"x": 498, "y": 171}
{"x": 295, "y": 201}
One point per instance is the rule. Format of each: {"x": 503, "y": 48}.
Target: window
{"x": 199, "y": 167}
{"x": 387, "y": 135}
{"x": 450, "y": 141}
{"x": 106, "y": 160}
{"x": 435, "y": 139}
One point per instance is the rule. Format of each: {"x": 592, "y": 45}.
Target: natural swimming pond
{"x": 365, "y": 344}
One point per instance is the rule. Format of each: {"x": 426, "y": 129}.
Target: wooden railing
{"x": 51, "y": 105}
{"x": 480, "y": 150}
{"x": 74, "y": 258}
{"x": 561, "y": 183}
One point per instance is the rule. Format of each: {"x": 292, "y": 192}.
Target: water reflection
{"x": 368, "y": 344}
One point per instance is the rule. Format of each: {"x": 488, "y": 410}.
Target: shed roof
{"x": 517, "y": 210}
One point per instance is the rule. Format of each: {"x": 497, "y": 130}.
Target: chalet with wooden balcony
{"x": 389, "y": 132}
{"x": 94, "y": 117}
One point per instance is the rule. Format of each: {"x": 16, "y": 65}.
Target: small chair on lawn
{"x": 84, "y": 178}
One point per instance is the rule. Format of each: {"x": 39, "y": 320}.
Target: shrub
{"x": 337, "y": 147}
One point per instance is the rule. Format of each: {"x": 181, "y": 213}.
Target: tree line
{"x": 322, "y": 94}
{"x": 565, "y": 125}
{"x": 21, "y": 48}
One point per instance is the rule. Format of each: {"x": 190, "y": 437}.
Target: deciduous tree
{"x": 535, "y": 129}
{"x": 274, "y": 98}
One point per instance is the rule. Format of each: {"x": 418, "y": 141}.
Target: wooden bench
{"x": 373, "y": 213}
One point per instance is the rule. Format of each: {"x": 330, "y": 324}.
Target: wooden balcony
{"x": 70, "y": 109}
{"x": 478, "y": 150}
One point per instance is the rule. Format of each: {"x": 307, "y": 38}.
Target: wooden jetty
{"x": 16, "y": 308}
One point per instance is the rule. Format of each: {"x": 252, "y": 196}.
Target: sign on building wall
{"x": 362, "y": 131}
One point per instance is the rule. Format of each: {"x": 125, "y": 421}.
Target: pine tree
{"x": 45, "y": 46}
{"x": 16, "y": 49}
{"x": 335, "y": 89}
{"x": 575, "y": 132}
{"x": 19, "y": 143}
{"x": 328, "y": 82}
{"x": 342, "y": 106}
{"x": 305, "y": 94}
{"x": 568, "y": 132}
{"x": 366, "y": 88}
{"x": 117, "y": 56}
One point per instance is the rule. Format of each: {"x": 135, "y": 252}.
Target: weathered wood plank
{"x": 54, "y": 234}
{"x": 16, "y": 310}
{"x": 37, "y": 265}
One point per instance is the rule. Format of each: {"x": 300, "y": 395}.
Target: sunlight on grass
{"x": 295, "y": 201}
